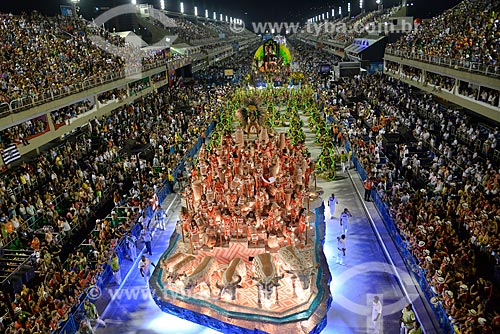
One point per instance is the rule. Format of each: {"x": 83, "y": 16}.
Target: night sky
{"x": 249, "y": 11}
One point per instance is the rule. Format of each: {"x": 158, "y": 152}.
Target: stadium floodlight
{"x": 182, "y": 7}
{"x": 230, "y": 19}
{"x": 215, "y": 16}
{"x": 221, "y": 17}
{"x": 360, "y": 4}
{"x": 333, "y": 12}
{"x": 327, "y": 15}
{"x": 162, "y": 4}
{"x": 134, "y": 2}
{"x": 340, "y": 11}
{"x": 378, "y": 2}
{"x": 206, "y": 13}
{"x": 226, "y": 19}
{"x": 323, "y": 16}
{"x": 195, "y": 11}
{"x": 349, "y": 7}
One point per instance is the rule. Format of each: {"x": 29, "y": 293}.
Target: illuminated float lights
{"x": 277, "y": 286}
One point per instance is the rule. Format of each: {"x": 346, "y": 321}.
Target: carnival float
{"x": 247, "y": 253}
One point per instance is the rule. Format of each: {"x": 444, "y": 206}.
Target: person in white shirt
{"x": 65, "y": 228}
{"x": 341, "y": 248}
{"x": 376, "y": 314}
{"x": 144, "y": 268}
{"x": 332, "y": 201}
{"x": 344, "y": 220}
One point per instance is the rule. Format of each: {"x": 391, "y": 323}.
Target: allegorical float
{"x": 247, "y": 253}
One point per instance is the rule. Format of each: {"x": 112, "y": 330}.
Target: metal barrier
{"x": 461, "y": 65}
{"x": 17, "y": 105}
{"x": 411, "y": 262}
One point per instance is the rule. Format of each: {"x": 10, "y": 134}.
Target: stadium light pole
{"x": 349, "y": 8}
{"x": 221, "y": 17}
{"x": 182, "y": 7}
{"x": 195, "y": 11}
{"x": 380, "y": 4}
{"x": 215, "y": 16}
{"x": 206, "y": 13}
{"x": 340, "y": 11}
{"x": 333, "y": 13}
{"x": 162, "y": 4}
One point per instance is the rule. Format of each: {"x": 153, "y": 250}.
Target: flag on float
{"x": 10, "y": 154}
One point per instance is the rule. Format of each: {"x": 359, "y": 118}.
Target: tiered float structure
{"x": 247, "y": 254}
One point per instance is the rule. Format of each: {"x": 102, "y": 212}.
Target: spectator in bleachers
{"x": 467, "y": 33}
{"x": 447, "y": 214}
{"x": 83, "y": 168}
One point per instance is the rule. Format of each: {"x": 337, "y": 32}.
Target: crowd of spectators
{"x": 81, "y": 174}
{"x": 468, "y": 89}
{"x": 187, "y": 30}
{"x": 138, "y": 86}
{"x": 56, "y": 63}
{"x": 442, "y": 194}
{"x": 468, "y": 38}
{"x": 412, "y": 73}
{"x": 21, "y": 133}
{"x": 440, "y": 81}
{"x": 439, "y": 183}
{"x": 118, "y": 94}
{"x": 66, "y": 114}
{"x": 483, "y": 94}
{"x": 239, "y": 62}
{"x": 346, "y": 29}
{"x": 490, "y": 96}
{"x": 391, "y": 67}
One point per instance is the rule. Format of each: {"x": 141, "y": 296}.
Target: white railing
{"x": 27, "y": 102}
{"x": 461, "y": 64}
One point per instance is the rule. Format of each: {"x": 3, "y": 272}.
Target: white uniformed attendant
{"x": 341, "y": 248}
{"x": 344, "y": 220}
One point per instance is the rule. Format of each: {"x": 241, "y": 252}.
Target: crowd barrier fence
{"x": 462, "y": 65}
